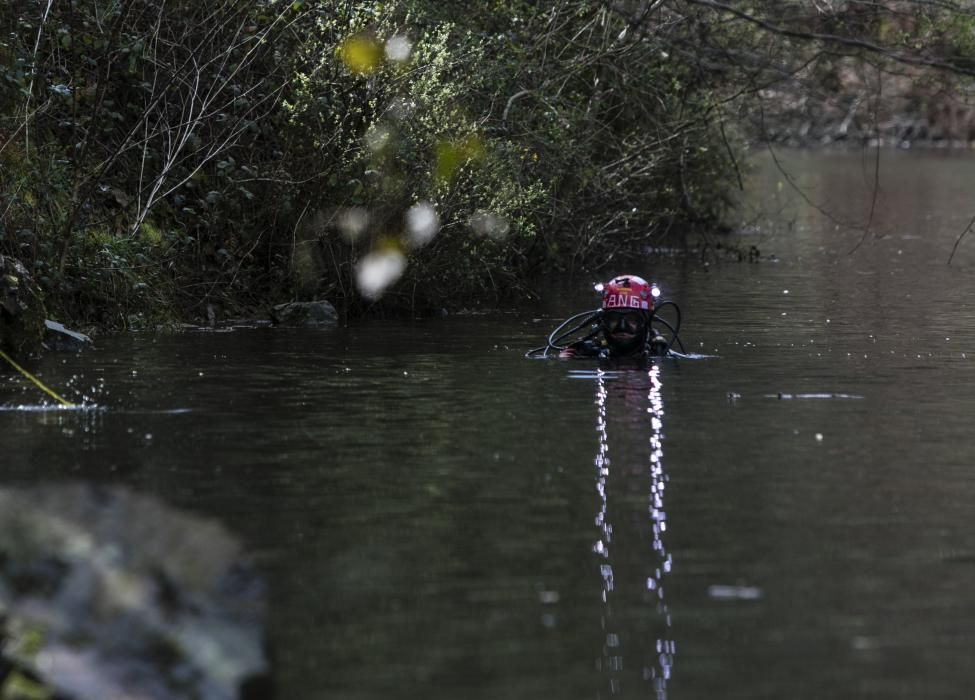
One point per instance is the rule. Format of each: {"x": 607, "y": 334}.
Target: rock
{"x": 108, "y": 594}
{"x": 57, "y": 337}
{"x": 308, "y": 314}
{"x": 21, "y": 310}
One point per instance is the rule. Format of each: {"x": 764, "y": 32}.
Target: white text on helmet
{"x": 625, "y": 301}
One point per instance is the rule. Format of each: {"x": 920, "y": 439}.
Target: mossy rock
{"x": 305, "y": 314}
{"x": 22, "y": 310}
{"x": 107, "y": 593}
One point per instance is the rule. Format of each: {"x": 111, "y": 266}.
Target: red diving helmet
{"x": 628, "y": 292}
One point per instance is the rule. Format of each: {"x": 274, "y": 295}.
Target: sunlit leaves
{"x": 451, "y": 155}
{"x": 378, "y": 138}
{"x": 416, "y": 139}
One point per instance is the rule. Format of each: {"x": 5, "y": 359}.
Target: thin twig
{"x": 968, "y": 228}
{"x": 876, "y": 164}
{"x": 33, "y": 73}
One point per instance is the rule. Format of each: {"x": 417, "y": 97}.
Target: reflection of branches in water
{"x": 867, "y": 228}
{"x": 657, "y": 671}
{"x": 954, "y": 248}
{"x": 876, "y": 165}
{"x": 788, "y": 176}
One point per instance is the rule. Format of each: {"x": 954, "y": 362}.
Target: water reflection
{"x": 655, "y": 667}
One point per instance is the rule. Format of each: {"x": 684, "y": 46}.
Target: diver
{"x": 626, "y": 327}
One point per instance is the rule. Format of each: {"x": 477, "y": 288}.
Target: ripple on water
{"x": 51, "y": 408}
{"x": 812, "y": 396}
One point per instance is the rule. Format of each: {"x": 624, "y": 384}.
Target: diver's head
{"x": 626, "y": 308}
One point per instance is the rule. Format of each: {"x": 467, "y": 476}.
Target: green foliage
{"x": 158, "y": 160}
{"x": 405, "y": 136}
{"x": 143, "y": 127}
{"x": 17, "y": 686}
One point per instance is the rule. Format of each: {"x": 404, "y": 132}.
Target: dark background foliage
{"x": 183, "y": 161}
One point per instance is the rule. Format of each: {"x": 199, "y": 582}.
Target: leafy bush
{"x": 161, "y": 160}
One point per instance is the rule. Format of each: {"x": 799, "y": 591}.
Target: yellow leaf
{"x": 362, "y": 54}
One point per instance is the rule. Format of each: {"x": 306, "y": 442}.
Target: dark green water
{"x": 439, "y": 517}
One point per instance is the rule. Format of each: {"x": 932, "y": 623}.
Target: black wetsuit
{"x": 598, "y": 348}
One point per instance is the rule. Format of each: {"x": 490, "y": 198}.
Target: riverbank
{"x": 406, "y": 159}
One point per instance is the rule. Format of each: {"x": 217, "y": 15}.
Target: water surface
{"x": 439, "y": 517}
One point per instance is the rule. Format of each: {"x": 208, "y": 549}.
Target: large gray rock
{"x": 308, "y": 314}
{"x": 109, "y": 594}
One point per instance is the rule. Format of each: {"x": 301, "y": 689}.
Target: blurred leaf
{"x": 453, "y": 155}
{"x": 19, "y": 687}
{"x": 362, "y": 54}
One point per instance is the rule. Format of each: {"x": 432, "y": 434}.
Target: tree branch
{"x": 836, "y": 39}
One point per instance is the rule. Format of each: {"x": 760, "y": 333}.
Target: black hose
{"x": 590, "y": 315}
{"x": 558, "y": 335}
{"x": 674, "y": 329}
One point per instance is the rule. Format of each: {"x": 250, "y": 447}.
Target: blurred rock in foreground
{"x": 106, "y": 594}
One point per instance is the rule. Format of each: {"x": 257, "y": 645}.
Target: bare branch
{"x": 836, "y": 39}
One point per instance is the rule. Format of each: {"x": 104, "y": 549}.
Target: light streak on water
{"x": 661, "y": 671}
{"x": 657, "y": 670}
